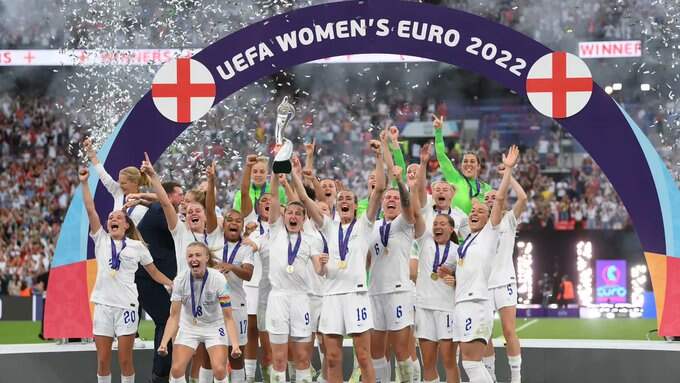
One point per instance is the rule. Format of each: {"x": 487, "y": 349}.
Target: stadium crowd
{"x": 38, "y": 170}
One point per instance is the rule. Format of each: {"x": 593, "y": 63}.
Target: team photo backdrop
{"x": 558, "y": 85}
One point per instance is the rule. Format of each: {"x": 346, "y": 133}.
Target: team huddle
{"x": 300, "y": 261}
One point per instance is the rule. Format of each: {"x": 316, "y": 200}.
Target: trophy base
{"x": 282, "y": 167}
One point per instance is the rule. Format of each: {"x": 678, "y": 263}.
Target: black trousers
{"x": 155, "y": 300}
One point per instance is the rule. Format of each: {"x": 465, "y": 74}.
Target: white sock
{"x": 225, "y": 380}
{"x": 238, "y": 376}
{"x": 515, "y": 363}
{"x": 476, "y": 372}
{"x": 291, "y": 371}
{"x": 490, "y": 365}
{"x": 303, "y": 376}
{"x": 181, "y": 379}
{"x": 405, "y": 370}
{"x": 127, "y": 379}
{"x": 380, "y": 365}
{"x": 205, "y": 375}
{"x": 278, "y": 376}
{"x": 104, "y": 379}
{"x": 251, "y": 366}
{"x": 416, "y": 370}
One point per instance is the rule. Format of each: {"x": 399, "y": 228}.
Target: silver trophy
{"x": 284, "y": 114}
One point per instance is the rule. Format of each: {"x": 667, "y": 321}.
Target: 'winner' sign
{"x": 609, "y": 49}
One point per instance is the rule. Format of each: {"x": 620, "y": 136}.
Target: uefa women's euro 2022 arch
{"x": 390, "y": 27}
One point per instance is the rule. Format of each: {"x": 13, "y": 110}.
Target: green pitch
{"x": 13, "y": 332}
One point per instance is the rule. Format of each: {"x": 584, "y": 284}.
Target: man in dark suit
{"x": 153, "y": 297}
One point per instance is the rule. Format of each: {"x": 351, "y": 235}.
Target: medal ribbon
{"x": 292, "y": 251}
{"x": 225, "y": 251}
{"x": 115, "y": 255}
{"x": 343, "y": 241}
{"x": 205, "y": 237}
{"x": 385, "y": 232}
{"x": 437, "y": 263}
{"x": 463, "y": 248}
{"x": 194, "y": 302}
{"x": 325, "y": 243}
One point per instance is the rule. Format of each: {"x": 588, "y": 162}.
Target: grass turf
{"x": 15, "y": 332}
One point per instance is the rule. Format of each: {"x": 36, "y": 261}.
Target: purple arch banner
{"x": 442, "y": 34}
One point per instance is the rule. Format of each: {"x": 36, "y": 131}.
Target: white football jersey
{"x": 182, "y": 237}
{"x": 281, "y": 280}
{"x": 473, "y": 271}
{"x": 257, "y": 236}
{"x": 244, "y": 255}
{"x": 316, "y": 242}
{"x": 117, "y": 289}
{"x": 503, "y": 270}
{"x": 389, "y": 269}
{"x": 206, "y": 304}
{"x": 352, "y": 278}
{"x": 434, "y": 294}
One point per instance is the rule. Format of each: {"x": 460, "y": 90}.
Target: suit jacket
{"x": 154, "y": 230}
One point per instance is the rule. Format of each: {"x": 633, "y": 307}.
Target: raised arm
{"x": 312, "y": 209}
{"x": 509, "y": 162}
{"x": 521, "y": 203}
{"x": 168, "y": 209}
{"x": 451, "y": 174}
{"x": 404, "y": 195}
{"x": 246, "y": 204}
{"x": 421, "y": 173}
{"x": 210, "y": 215}
{"x": 395, "y": 150}
{"x": 309, "y": 155}
{"x": 92, "y": 215}
{"x": 109, "y": 183}
{"x": 387, "y": 156}
{"x": 275, "y": 206}
{"x": 291, "y": 195}
{"x": 418, "y": 220}
{"x": 375, "y": 198}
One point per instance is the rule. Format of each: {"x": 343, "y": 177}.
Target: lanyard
{"x": 343, "y": 241}
{"x": 130, "y": 210}
{"x": 115, "y": 255}
{"x": 259, "y": 222}
{"x": 437, "y": 263}
{"x": 225, "y": 251}
{"x": 194, "y": 302}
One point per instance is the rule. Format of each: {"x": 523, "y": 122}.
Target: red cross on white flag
{"x": 183, "y": 90}
{"x": 559, "y": 85}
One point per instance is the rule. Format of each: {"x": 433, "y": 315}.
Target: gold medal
{"x": 434, "y": 276}
{"x": 460, "y": 262}
{"x": 342, "y": 264}
{"x": 385, "y": 251}
{"x": 195, "y": 321}
{"x": 290, "y": 269}
{"x": 113, "y": 273}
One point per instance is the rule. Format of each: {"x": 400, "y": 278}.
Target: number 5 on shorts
{"x": 361, "y": 314}
{"x": 509, "y": 289}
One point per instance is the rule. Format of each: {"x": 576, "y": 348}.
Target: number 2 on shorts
{"x": 468, "y": 324}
